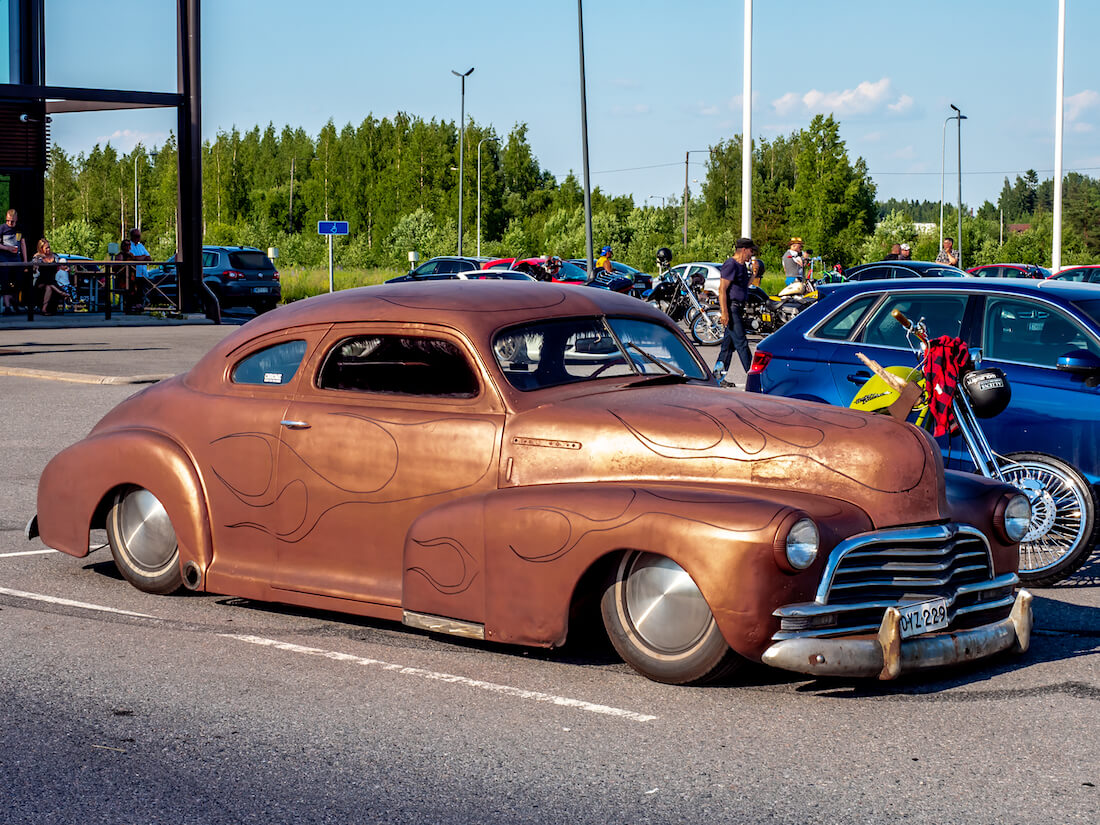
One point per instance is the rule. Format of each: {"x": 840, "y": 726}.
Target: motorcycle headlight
{"x": 802, "y": 543}
{"x": 1017, "y": 517}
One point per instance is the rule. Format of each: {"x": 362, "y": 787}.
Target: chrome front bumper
{"x": 887, "y": 655}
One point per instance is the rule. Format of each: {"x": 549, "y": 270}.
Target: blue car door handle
{"x": 859, "y": 377}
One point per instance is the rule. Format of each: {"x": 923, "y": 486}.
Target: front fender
{"x": 79, "y": 478}
{"x": 539, "y": 541}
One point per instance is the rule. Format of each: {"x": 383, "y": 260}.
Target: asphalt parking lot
{"x": 122, "y": 706}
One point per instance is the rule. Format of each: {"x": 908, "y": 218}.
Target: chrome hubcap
{"x": 663, "y": 605}
{"x": 146, "y": 530}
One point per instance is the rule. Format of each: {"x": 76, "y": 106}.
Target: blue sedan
{"x": 1022, "y": 327}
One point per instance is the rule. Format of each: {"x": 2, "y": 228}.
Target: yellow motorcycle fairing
{"x": 876, "y": 395}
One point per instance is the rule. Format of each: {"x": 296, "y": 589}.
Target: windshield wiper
{"x": 668, "y": 368}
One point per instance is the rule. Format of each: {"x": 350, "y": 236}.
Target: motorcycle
{"x": 1058, "y": 538}
{"x": 765, "y": 313}
{"x": 679, "y": 299}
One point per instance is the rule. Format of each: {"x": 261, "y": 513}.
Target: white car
{"x": 709, "y": 271}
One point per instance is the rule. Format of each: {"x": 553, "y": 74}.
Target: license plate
{"x": 923, "y": 617}
{"x": 259, "y": 289}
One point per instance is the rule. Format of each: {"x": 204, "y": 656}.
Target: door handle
{"x": 295, "y": 425}
{"x": 857, "y": 377}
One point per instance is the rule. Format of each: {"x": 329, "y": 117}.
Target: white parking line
{"x": 38, "y": 597}
{"x": 445, "y": 677}
{"x": 26, "y": 553}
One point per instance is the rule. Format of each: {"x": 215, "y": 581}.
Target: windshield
{"x": 1091, "y": 308}
{"x": 571, "y": 272}
{"x": 570, "y": 350}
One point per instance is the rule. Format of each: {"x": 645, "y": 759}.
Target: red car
{"x": 1086, "y": 273}
{"x": 568, "y": 274}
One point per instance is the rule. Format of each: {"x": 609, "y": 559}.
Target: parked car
{"x": 642, "y": 280}
{"x": 467, "y": 275}
{"x": 1086, "y": 273}
{"x": 1021, "y": 326}
{"x": 1009, "y": 271}
{"x": 881, "y": 270}
{"x": 492, "y": 459}
{"x": 442, "y": 267}
{"x": 239, "y": 276}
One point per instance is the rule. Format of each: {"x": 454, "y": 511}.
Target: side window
{"x": 841, "y": 324}
{"x": 465, "y": 266}
{"x": 448, "y": 267}
{"x": 426, "y": 269}
{"x": 942, "y": 314}
{"x": 1030, "y": 333}
{"x": 272, "y": 365}
{"x": 209, "y": 259}
{"x": 875, "y": 273}
{"x": 400, "y": 365}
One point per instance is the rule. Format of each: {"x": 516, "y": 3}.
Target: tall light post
{"x": 958, "y": 116}
{"x": 461, "y": 136}
{"x": 137, "y": 211}
{"x": 1060, "y": 73}
{"x": 584, "y": 151}
{"x": 662, "y": 197}
{"x": 497, "y": 140}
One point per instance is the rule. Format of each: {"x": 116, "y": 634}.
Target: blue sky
{"x": 663, "y": 77}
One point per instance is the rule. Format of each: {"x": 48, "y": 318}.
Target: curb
{"x": 81, "y": 378}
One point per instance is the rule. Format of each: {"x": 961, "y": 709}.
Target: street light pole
{"x": 479, "y": 190}
{"x": 959, "y": 118}
{"x": 584, "y": 151}
{"x": 943, "y": 151}
{"x": 137, "y": 213}
{"x": 461, "y": 135}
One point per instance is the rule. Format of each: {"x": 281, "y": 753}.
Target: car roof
{"x": 1064, "y": 290}
{"x": 476, "y": 307}
{"x": 915, "y": 265}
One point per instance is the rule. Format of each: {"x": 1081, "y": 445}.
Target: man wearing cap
{"x": 793, "y": 261}
{"x": 906, "y": 254}
{"x": 731, "y": 297}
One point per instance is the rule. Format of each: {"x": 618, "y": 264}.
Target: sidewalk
{"x": 84, "y": 347}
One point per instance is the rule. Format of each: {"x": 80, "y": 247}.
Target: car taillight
{"x": 760, "y": 361}
{"x": 275, "y": 276}
{"x": 233, "y": 275}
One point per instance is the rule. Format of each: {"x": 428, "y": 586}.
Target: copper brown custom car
{"x": 483, "y": 458}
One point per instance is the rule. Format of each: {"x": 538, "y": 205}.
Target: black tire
{"x": 707, "y": 329}
{"x": 659, "y": 623}
{"x": 1063, "y": 520}
{"x": 264, "y": 306}
{"x": 143, "y": 542}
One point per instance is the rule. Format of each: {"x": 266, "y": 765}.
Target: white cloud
{"x": 905, "y": 153}
{"x": 126, "y": 139}
{"x": 1078, "y": 103}
{"x": 1083, "y": 127}
{"x": 903, "y": 105}
{"x": 865, "y": 98}
{"x": 873, "y": 137}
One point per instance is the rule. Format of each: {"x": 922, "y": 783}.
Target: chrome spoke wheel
{"x": 1059, "y": 535}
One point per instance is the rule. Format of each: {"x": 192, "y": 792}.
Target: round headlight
{"x": 802, "y": 543}
{"x": 1017, "y": 517}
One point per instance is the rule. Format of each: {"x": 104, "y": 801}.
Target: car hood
{"x": 696, "y": 434}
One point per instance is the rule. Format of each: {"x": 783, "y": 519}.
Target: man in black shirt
{"x": 731, "y": 297}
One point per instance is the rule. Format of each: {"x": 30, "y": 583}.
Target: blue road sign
{"x": 332, "y": 227}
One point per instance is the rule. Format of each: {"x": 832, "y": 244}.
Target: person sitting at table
{"x": 47, "y": 266}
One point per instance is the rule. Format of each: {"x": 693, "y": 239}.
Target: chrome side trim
{"x": 440, "y": 624}
{"x": 896, "y": 535}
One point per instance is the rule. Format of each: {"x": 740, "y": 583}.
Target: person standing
{"x": 13, "y": 249}
{"x": 895, "y": 253}
{"x": 794, "y": 261}
{"x": 138, "y": 252}
{"x": 948, "y": 255}
{"x": 906, "y": 254}
{"x": 731, "y": 297}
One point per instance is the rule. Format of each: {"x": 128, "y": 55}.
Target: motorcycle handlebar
{"x": 916, "y": 328}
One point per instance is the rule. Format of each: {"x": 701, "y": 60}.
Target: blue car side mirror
{"x": 1079, "y": 361}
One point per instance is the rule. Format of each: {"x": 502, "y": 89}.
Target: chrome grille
{"x": 868, "y": 573}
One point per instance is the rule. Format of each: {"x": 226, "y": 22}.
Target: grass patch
{"x": 304, "y": 283}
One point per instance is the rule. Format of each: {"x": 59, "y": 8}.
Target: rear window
{"x": 1091, "y": 308}
{"x": 250, "y": 259}
{"x": 840, "y": 326}
{"x": 272, "y": 365}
